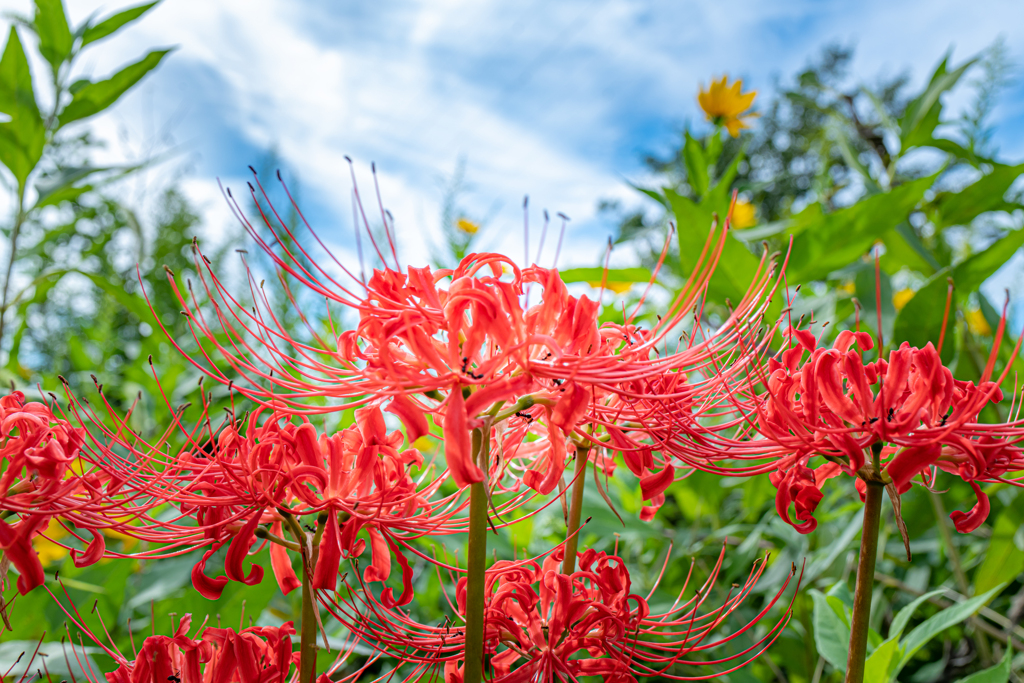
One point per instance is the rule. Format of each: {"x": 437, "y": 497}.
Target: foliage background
{"x": 840, "y": 167}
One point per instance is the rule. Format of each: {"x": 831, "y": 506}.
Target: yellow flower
{"x": 900, "y": 298}
{"x": 743, "y": 215}
{"x": 848, "y": 287}
{"x": 617, "y": 287}
{"x": 977, "y": 324}
{"x": 49, "y": 551}
{"x": 467, "y": 226}
{"x": 724, "y": 105}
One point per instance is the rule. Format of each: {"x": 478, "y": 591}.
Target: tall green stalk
{"x": 865, "y": 583}
{"x": 476, "y": 563}
{"x": 575, "y": 511}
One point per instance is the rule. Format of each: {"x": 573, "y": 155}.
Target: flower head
{"x": 725, "y": 105}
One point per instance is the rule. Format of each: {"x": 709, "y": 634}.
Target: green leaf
{"x": 878, "y": 665}
{"x": 96, "y": 97}
{"x": 972, "y": 272}
{"x": 960, "y": 208}
{"x": 938, "y": 623}
{"x": 22, "y": 138}
{"x": 831, "y": 634}
{"x": 614, "y": 275}
{"x": 1000, "y": 673}
{"x": 113, "y": 23}
{"x": 904, "y": 615}
{"x": 923, "y": 112}
{"x": 737, "y": 265}
{"x": 54, "y": 34}
{"x": 696, "y": 165}
{"x": 838, "y": 238}
{"x": 1003, "y": 560}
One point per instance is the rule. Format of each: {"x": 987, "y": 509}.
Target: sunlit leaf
{"x": 22, "y": 138}
{"x": 96, "y": 97}
{"x": 51, "y": 25}
{"x": 113, "y": 23}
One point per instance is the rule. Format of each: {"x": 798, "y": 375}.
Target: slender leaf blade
{"x": 938, "y": 623}
{"x": 831, "y": 635}
{"x": 96, "y": 97}
{"x": 51, "y": 25}
{"x": 115, "y": 22}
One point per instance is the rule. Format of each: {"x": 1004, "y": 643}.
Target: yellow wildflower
{"x": 617, "y": 287}
{"x": 977, "y": 323}
{"x": 724, "y": 105}
{"x": 900, "y": 298}
{"x": 422, "y": 444}
{"x": 848, "y": 287}
{"x": 467, "y": 226}
{"x": 743, "y": 215}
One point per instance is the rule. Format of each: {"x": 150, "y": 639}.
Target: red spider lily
{"x": 830, "y": 403}
{"x": 459, "y": 351}
{"x": 538, "y": 621}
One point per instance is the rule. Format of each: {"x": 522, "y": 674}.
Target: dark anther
{"x": 892, "y": 411}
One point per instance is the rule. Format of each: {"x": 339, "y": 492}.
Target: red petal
{"x": 92, "y": 554}
{"x": 967, "y": 522}
{"x": 238, "y": 550}
{"x": 456, "y": 441}
{"x": 325, "y": 576}
{"x": 281, "y": 564}
{"x": 207, "y": 587}
{"x": 413, "y": 418}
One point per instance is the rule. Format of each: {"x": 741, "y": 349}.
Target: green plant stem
{"x": 307, "y": 633}
{"x": 865, "y": 583}
{"x": 476, "y": 559}
{"x": 307, "y": 644}
{"x": 572, "y": 536}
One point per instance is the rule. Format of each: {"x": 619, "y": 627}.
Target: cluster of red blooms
{"x": 513, "y": 390}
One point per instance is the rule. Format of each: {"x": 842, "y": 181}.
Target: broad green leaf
{"x": 938, "y": 623}
{"x": 113, "y": 23}
{"x": 1003, "y": 559}
{"x": 65, "y": 178}
{"x": 920, "y": 320}
{"x": 696, "y": 165}
{"x": 960, "y": 208}
{"x": 1000, "y": 673}
{"x": 972, "y": 272}
{"x": 96, "y": 97}
{"x": 836, "y": 239}
{"x": 22, "y": 138}
{"x": 736, "y": 266}
{"x": 614, "y": 275}
{"x": 54, "y": 35}
{"x": 923, "y": 112}
{"x": 831, "y": 634}
{"x": 904, "y": 615}
{"x": 877, "y": 667}
{"x": 904, "y": 248}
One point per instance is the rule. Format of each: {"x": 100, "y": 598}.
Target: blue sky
{"x": 556, "y": 100}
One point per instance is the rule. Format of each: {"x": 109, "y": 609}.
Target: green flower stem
{"x": 572, "y": 536}
{"x": 307, "y": 633}
{"x": 476, "y": 563}
{"x": 865, "y": 583}
{"x": 307, "y": 644}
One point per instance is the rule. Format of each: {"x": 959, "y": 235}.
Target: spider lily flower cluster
{"x": 514, "y": 377}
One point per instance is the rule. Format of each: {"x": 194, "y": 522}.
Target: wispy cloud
{"x": 554, "y": 100}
